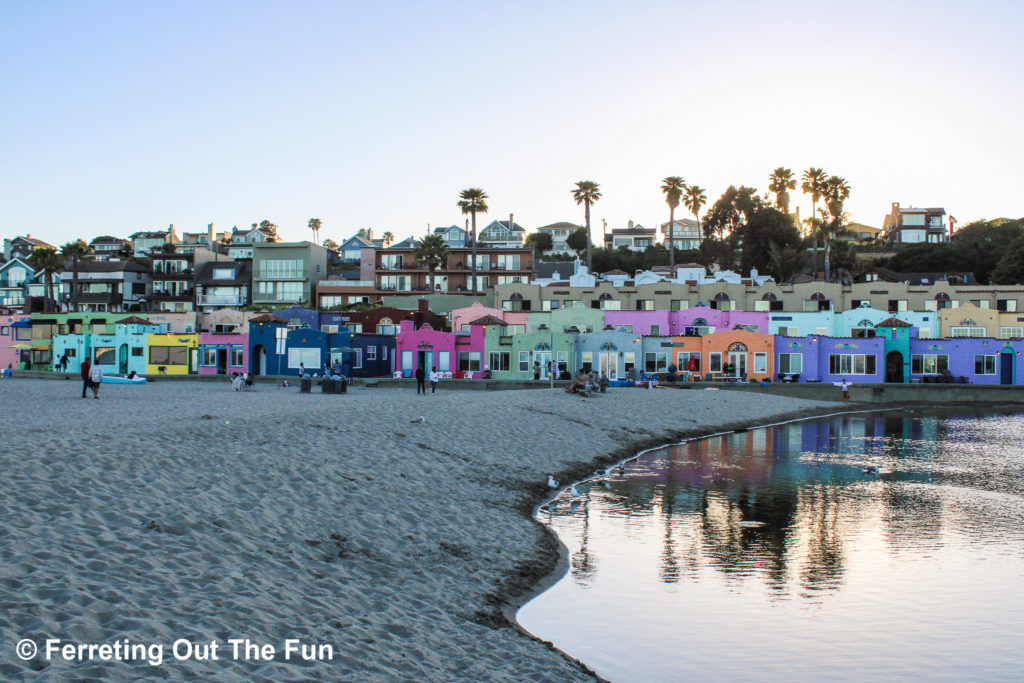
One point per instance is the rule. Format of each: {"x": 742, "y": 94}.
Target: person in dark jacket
{"x": 85, "y": 376}
{"x": 421, "y": 376}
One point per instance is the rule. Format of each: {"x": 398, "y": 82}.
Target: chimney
{"x": 369, "y": 234}
{"x": 631, "y": 225}
{"x": 511, "y": 221}
{"x": 209, "y": 234}
{"x": 171, "y": 237}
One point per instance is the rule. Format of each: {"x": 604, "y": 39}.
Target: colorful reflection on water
{"x": 773, "y": 554}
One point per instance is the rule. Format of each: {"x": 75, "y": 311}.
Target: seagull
{"x": 418, "y": 420}
{"x": 872, "y": 469}
{"x": 552, "y": 483}
{"x": 573, "y": 491}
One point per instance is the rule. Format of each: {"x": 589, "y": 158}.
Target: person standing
{"x": 846, "y": 390}
{"x": 536, "y": 370}
{"x": 95, "y": 377}
{"x": 85, "y": 376}
{"x": 421, "y": 375}
{"x": 435, "y": 377}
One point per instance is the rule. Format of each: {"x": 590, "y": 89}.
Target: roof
{"x": 563, "y": 225}
{"x": 488, "y": 320}
{"x": 33, "y": 241}
{"x": 267, "y": 318}
{"x": 242, "y": 272}
{"x": 617, "y": 271}
{"x": 108, "y": 238}
{"x": 134, "y": 320}
{"x": 505, "y": 224}
{"x": 689, "y": 265}
{"x": 636, "y": 230}
{"x": 407, "y": 243}
{"x": 964, "y": 278}
{"x": 152, "y": 234}
{"x": 893, "y": 322}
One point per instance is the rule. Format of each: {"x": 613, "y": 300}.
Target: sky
{"x": 127, "y": 116}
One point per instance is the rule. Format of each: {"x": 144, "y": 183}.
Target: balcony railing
{"x": 220, "y": 300}
{"x": 345, "y": 283}
{"x": 293, "y": 275}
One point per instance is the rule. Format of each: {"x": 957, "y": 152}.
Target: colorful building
{"x": 172, "y": 354}
{"x": 460, "y": 353}
{"x": 118, "y": 350}
{"x": 223, "y": 354}
{"x": 15, "y": 338}
{"x": 829, "y": 359}
{"x": 735, "y": 354}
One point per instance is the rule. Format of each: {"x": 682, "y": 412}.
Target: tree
{"x": 694, "y": 199}
{"x": 1010, "y": 269}
{"x": 977, "y": 247}
{"x": 314, "y": 225}
{"x": 782, "y": 180}
{"x": 844, "y": 258}
{"x": 831, "y": 227}
{"x": 813, "y": 184}
{"x": 431, "y": 253}
{"x": 78, "y": 251}
{"x": 786, "y": 261}
{"x": 45, "y": 260}
{"x": 473, "y": 201}
{"x": 836, "y": 191}
{"x": 540, "y": 242}
{"x": 268, "y": 229}
{"x": 586, "y": 193}
{"x": 388, "y": 238}
{"x": 577, "y": 241}
{"x": 330, "y": 244}
{"x": 673, "y": 186}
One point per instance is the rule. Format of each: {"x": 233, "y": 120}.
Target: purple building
{"x": 830, "y": 359}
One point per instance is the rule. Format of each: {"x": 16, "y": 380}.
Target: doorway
{"x": 425, "y": 360}
{"x": 608, "y": 364}
{"x": 542, "y": 357}
{"x": 122, "y": 359}
{"x": 738, "y": 361}
{"x": 258, "y": 360}
{"x": 894, "y": 367}
{"x": 222, "y": 361}
{"x": 1006, "y": 367}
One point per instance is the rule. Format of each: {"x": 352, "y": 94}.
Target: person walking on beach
{"x": 95, "y": 377}
{"x": 435, "y": 377}
{"x": 845, "y": 388}
{"x": 421, "y": 375}
{"x": 85, "y": 377}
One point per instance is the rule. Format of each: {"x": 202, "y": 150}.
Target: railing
{"x": 345, "y": 283}
{"x": 268, "y": 299}
{"x": 215, "y": 300}
{"x": 294, "y": 275}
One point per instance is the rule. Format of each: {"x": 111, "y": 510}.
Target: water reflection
{"x": 751, "y": 530}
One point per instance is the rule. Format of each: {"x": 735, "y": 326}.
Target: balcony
{"x": 177, "y": 294}
{"x": 345, "y": 283}
{"x": 299, "y": 276}
{"x": 221, "y": 300}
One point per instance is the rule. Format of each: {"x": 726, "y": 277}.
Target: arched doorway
{"x": 894, "y": 367}
{"x": 122, "y": 359}
{"x": 258, "y": 360}
{"x": 1006, "y": 366}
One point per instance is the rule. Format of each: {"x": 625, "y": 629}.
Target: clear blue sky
{"x": 124, "y": 116}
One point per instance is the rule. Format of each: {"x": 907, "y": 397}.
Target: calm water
{"x": 916, "y": 573}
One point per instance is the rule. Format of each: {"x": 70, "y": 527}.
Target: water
{"x": 772, "y": 555}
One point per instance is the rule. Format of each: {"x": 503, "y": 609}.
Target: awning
{"x": 342, "y": 349}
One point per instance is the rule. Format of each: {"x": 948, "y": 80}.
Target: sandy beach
{"x": 184, "y": 510}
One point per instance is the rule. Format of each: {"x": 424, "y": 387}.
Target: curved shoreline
{"x": 512, "y": 603}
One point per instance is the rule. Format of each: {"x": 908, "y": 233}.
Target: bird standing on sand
{"x": 552, "y": 482}
{"x": 573, "y": 491}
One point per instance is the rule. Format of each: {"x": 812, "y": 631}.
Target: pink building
{"x": 704, "y": 320}
{"x": 223, "y": 354}
{"x": 461, "y": 317}
{"x": 460, "y": 353}
{"x": 643, "y": 323}
{"x": 15, "y": 332}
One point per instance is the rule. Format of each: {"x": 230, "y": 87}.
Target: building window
{"x": 209, "y": 356}
{"x": 524, "y": 361}
{"x": 862, "y": 333}
{"x": 104, "y": 355}
{"x": 308, "y": 357}
{"x": 984, "y": 365}
{"x": 550, "y": 305}
{"x": 851, "y": 364}
{"x": 22, "y": 333}
{"x": 281, "y": 269}
{"x": 237, "y": 357}
{"x": 358, "y": 361}
{"x": 499, "y": 361}
{"x": 390, "y": 261}
{"x": 371, "y": 353}
{"x": 791, "y": 363}
{"x": 980, "y": 303}
{"x": 928, "y": 364}
{"x": 629, "y": 361}
{"x": 1011, "y": 332}
{"x": 588, "y": 361}
{"x": 679, "y": 304}
{"x": 789, "y": 332}
{"x": 1006, "y": 305}
{"x": 645, "y": 304}
{"x": 715, "y": 362}
{"x": 469, "y": 361}
{"x": 168, "y": 355}
{"x": 967, "y": 331}
{"x": 684, "y": 360}
{"x": 760, "y": 362}
{"x": 655, "y": 362}
{"x": 563, "y": 361}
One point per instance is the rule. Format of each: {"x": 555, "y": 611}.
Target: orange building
{"x": 724, "y": 356}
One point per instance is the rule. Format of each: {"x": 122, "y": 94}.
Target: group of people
{"x": 421, "y": 376}
{"x": 336, "y": 370}
{"x": 92, "y": 376}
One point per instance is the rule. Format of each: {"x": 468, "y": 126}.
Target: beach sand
{"x": 187, "y": 510}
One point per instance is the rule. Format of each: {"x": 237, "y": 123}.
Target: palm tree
{"x": 586, "y": 193}
{"x": 673, "y": 187}
{"x": 314, "y": 225}
{"x": 694, "y": 199}
{"x": 782, "y": 180}
{"x": 813, "y": 184}
{"x": 472, "y": 201}
{"x": 835, "y": 191}
{"x": 431, "y": 253}
{"x": 388, "y": 238}
{"x": 47, "y": 261}
{"x": 78, "y": 251}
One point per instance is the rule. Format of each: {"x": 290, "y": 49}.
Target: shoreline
{"x": 189, "y": 508}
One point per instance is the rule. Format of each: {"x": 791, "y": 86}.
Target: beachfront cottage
{"x": 223, "y": 354}
{"x": 267, "y": 336}
{"x": 641, "y": 323}
{"x": 974, "y": 361}
{"x": 968, "y": 321}
{"x": 460, "y": 353}
{"x": 612, "y": 353}
{"x": 734, "y": 355}
{"x": 172, "y": 354}
{"x": 46, "y": 325}
{"x": 517, "y": 321}
{"x": 381, "y": 319}
{"x": 896, "y": 335}
{"x": 15, "y": 337}
{"x": 817, "y": 358}
{"x": 119, "y": 349}
{"x": 372, "y": 355}
{"x": 861, "y": 322}
{"x": 305, "y": 347}
{"x": 511, "y": 355}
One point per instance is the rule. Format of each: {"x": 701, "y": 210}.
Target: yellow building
{"x": 968, "y": 320}
{"x": 172, "y": 354}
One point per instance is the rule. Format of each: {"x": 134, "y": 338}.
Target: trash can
{"x": 327, "y": 386}
{"x": 305, "y": 386}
